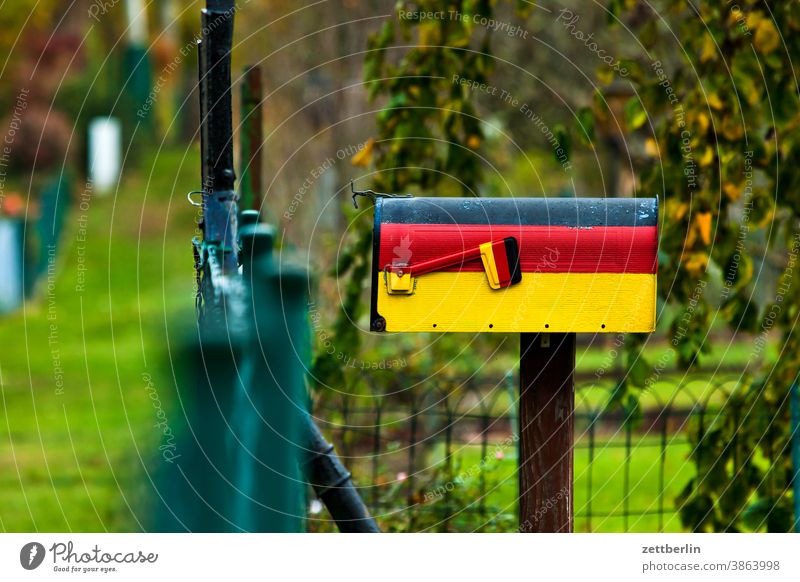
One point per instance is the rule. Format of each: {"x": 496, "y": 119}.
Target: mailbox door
{"x": 588, "y": 264}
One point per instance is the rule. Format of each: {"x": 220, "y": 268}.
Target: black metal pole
{"x": 221, "y": 5}
{"x": 334, "y": 487}
{"x": 219, "y": 197}
{"x": 219, "y": 251}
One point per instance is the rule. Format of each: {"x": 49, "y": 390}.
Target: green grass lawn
{"x": 640, "y": 482}
{"x": 77, "y": 444}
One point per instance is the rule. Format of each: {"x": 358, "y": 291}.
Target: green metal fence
{"x": 444, "y": 458}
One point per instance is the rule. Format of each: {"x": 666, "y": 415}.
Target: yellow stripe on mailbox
{"x": 546, "y": 302}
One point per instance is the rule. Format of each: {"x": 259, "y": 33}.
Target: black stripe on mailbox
{"x": 575, "y": 212}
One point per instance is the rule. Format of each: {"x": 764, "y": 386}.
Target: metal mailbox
{"x": 514, "y": 264}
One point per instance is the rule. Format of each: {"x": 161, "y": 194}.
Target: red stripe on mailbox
{"x": 501, "y": 262}
{"x": 544, "y": 249}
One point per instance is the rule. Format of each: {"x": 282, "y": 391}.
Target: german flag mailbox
{"x": 514, "y": 264}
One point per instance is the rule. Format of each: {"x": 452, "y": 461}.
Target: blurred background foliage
{"x": 719, "y": 154}
{"x": 706, "y": 129}
{"x": 21, "y": 17}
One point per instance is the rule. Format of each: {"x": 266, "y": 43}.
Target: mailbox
{"x": 514, "y": 264}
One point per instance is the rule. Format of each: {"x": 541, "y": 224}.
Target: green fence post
{"x": 137, "y": 68}
{"x": 55, "y": 201}
{"x": 196, "y": 479}
{"x": 137, "y": 71}
{"x": 268, "y": 413}
{"x": 795, "y": 397}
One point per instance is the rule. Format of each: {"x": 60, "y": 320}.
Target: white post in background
{"x": 137, "y": 22}
{"x": 105, "y": 153}
{"x": 169, "y": 19}
{"x": 11, "y": 283}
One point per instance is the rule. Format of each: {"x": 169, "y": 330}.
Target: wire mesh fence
{"x": 444, "y": 457}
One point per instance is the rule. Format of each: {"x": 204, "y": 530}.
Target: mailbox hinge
{"x": 372, "y": 195}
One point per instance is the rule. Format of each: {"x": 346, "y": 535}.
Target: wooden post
{"x": 546, "y": 406}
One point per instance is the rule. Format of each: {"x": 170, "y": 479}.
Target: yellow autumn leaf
{"x": 473, "y": 142}
{"x": 696, "y": 264}
{"x": 754, "y": 18}
{"x": 709, "y": 49}
{"x": 691, "y": 237}
{"x": 732, "y": 129}
{"x": 702, "y": 222}
{"x": 703, "y": 122}
{"x": 605, "y": 75}
{"x": 732, "y": 191}
{"x": 364, "y": 156}
{"x": 767, "y": 38}
{"x": 429, "y": 34}
{"x": 651, "y": 147}
{"x": 726, "y": 156}
{"x": 769, "y": 217}
{"x": 735, "y": 16}
{"x": 714, "y": 101}
{"x": 676, "y": 210}
{"x": 707, "y": 157}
